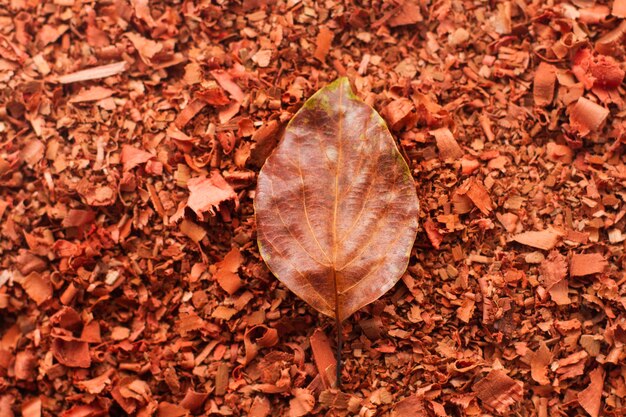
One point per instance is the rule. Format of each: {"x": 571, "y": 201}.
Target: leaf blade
{"x": 336, "y": 206}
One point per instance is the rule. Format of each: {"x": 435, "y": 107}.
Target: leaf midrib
{"x": 340, "y": 116}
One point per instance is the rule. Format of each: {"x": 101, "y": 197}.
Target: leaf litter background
{"x": 132, "y": 134}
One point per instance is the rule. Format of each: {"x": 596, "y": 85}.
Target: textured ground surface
{"x": 131, "y": 134}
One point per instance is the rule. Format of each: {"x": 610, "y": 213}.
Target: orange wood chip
{"x": 542, "y": 239}
{"x": 499, "y": 391}
{"x": 587, "y": 264}
{"x": 587, "y": 116}
{"x": 591, "y": 397}
{"x": 324, "y": 358}
{"x": 543, "y": 84}
{"x": 448, "y": 146}
{"x": 323, "y": 42}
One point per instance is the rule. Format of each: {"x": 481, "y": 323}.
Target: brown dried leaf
{"x": 327, "y": 200}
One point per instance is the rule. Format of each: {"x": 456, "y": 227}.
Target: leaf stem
{"x": 339, "y": 346}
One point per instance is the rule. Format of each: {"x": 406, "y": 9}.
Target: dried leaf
{"x": 328, "y": 199}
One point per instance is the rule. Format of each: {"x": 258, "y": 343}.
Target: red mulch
{"x": 131, "y": 135}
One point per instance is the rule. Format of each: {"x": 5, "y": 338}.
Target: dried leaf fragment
{"x": 327, "y": 199}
